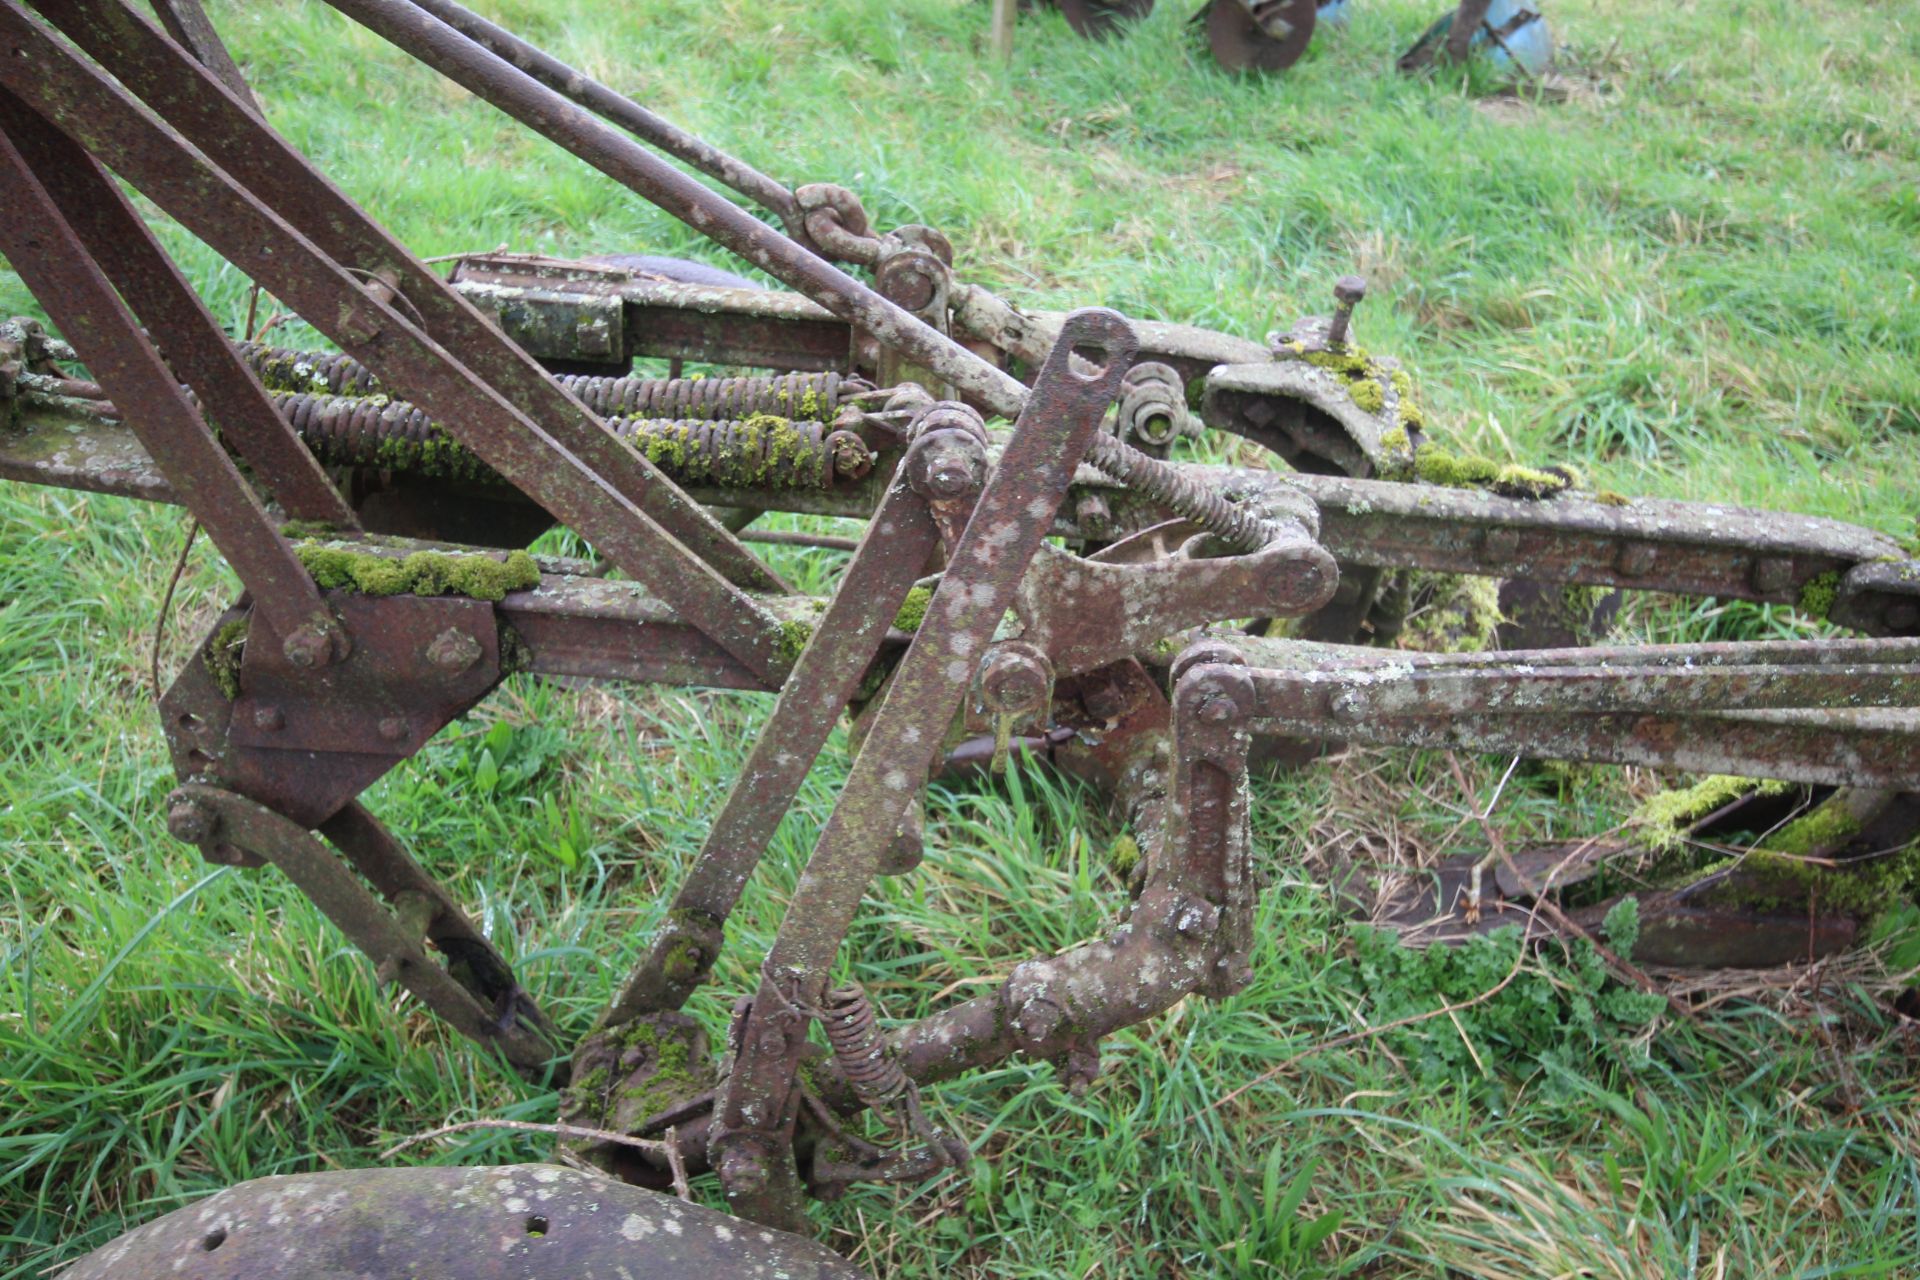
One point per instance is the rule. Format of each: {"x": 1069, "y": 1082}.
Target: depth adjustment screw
{"x": 1347, "y": 293}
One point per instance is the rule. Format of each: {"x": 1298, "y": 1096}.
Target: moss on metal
{"x": 424, "y": 573}
{"x": 222, "y": 657}
{"x": 913, "y": 609}
{"x": 1663, "y": 819}
{"x": 1817, "y": 597}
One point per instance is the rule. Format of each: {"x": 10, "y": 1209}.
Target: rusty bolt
{"x": 1347, "y": 706}
{"x": 269, "y": 719}
{"x": 1634, "y": 559}
{"x": 191, "y": 820}
{"x": 1038, "y": 1019}
{"x": 1771, "y": 573}
{"x": 947, "y": 469}
{"x": 310, "y": 646}
{"x": 393, "y": 728}
{"x": 1217, "y": 706}
{"x": 454, "y": 651}
{"x": 773, "y": 1041}
{"x": 1015, "y": 677}
{"x": 742, "y": 1170}
{"x": 1347, "y": 293}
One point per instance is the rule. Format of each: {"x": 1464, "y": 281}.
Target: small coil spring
{"x": 876, "y": 1079}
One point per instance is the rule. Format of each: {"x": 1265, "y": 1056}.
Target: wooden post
{"x": 1003, "y": 12}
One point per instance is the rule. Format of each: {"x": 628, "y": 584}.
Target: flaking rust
{"x": 1065, "y": 585}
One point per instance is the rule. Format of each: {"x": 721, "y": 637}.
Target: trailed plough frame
{"x": 364, "y": 628}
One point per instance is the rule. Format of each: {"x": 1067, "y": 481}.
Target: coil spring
{"x": 788, "y": 395}
{"x": 372, "y": 431}
{"x": 307, "y": 372}
{"x": 812, "y": 396}
{"x": 876, "y": 1079}
{"x": 1243, "y": 528}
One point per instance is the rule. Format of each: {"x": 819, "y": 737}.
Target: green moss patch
{"x": 424, "y": 573}
{"x": 223, "y": 655}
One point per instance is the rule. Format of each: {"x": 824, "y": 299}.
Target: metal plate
{"x": 509, "y": 1222}
{"x": 1241, "y": 41}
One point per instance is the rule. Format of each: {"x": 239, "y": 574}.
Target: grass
{"x": 1696, "y": 278}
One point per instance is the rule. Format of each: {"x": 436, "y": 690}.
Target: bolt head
{"x": 454, "y": 651}
{"x": 393, "y": 728}
{"x": 1347, "y": 706}
{"x": 772, "y": 1041}
{"x": 1349, "y": 289}
{"x": 1195, "y": 918}
{"x": 1218, "y": 708}
{"x": 269, "y": 719}
{"x": 742, "y": 1171}
{"x": 191, "y": 820}
{"x": 310, "y": 647}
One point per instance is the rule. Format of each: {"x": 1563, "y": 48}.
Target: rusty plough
{"x": 1035, "y": 574}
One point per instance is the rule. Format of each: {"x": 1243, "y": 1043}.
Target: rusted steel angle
{"x": 1833, "y": 712}
{"x": 1009, "y": 522}
{"x": 897, "y": 544}
{"x": 498, "y": 81}
{"x": 222, "y": 125}
{"x": 368, "y": 923}
{"x": 52, "y": 261}
{"x": 1649, "y": 544}
{"x": 195, "y": 348}
{"x": 97, "y": 113}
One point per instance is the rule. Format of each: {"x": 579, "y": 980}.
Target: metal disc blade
{"x": 1241, "y": 42}
{"x": 1097, "y": 19}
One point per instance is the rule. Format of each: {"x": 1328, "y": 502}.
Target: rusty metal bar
{"x": 318, "y": 873}
{"x": 187, "y": 22}
{"x": 223, "y": 126}
{"x": 1008, "y": 524}
{"x": 54, "y": 264}
{"x": 473, "y": 961}
{"x": 195, "y": 348}
{"x": 618, "y": 109}
{"x": 229, "y": 219}
{"x": 891, "y": 555}
{"x": 498, "y": 81}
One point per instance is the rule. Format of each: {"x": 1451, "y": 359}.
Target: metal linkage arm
{"x": 55, "y": 265}
{"x": 1012, "y": 518}
{"x": 396, "y": 944}
{"x": 1828, "y": 712}
{"x": 1191, "y": 929}
{"x": 223, "y": 126}
{"x": 896, "y": 547}
{"x": 98, "y": 114}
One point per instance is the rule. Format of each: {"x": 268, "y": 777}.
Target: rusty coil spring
{"x": 813, "y": 396}
{"x": 761, "y": 452}
{"x": 323, "y": 372}
{"x": 1242, "y": 528}
{"x": 875, "y": 1078}
{"x": 787, "y": 395}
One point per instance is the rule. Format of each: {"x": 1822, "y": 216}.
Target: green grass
{"x": 1696, "y": 278}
